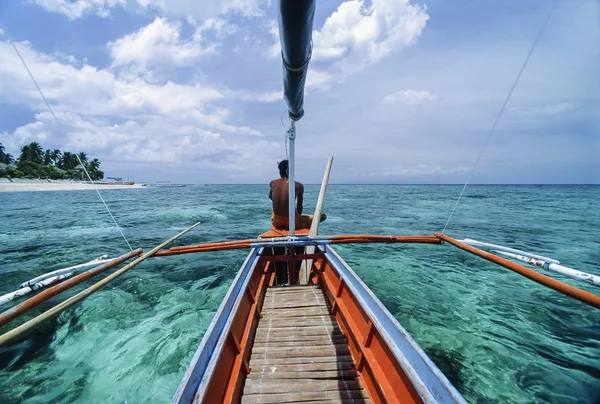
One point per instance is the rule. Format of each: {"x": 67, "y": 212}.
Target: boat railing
{"x": 381, "y": 331}
{"x": 194, "y": 383}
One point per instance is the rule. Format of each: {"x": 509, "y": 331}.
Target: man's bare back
{"x": 279, "y": 194}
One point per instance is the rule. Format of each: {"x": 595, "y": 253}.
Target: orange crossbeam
{"x": 581, "y": 295}
{"x": 340, "y": 239}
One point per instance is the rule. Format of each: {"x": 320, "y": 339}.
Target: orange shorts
{"x": 282, "y": 222}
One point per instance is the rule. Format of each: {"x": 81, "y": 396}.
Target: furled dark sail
{"x": 295, "y": 33}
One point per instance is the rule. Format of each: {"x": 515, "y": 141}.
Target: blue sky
{"x": 399, "y": 91}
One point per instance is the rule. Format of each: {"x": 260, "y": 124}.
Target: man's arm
{"x": 300, "y": 191}
{"x": 271, "y": 190}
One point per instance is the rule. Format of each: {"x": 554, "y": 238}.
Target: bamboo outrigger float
{"x": 298, "y": 324}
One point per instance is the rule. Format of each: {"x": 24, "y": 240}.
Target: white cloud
{"x": 318, "y": 79}
{"x": 274, "y": 50}
{"x": 189, "y": 9}
{"x": 410, "y": 97}
{"x": 358, "y": 35}
{"x": 420, "y": 170}
{"x": 79, "y": 8}
{"x": 91, "y": 91}
{"x": 1, "y": 32}
{"x": 546, "y": 109}
{"x": 157, "y": 44}
{"x": 272, "y": 96}
{"x": 124, "y": 119}
{"x": 207, "y": 9}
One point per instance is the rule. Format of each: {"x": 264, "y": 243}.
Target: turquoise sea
{"x": 497, "y": 336}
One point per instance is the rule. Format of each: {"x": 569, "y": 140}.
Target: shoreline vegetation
{"x": 35, "y": 163}
{"x": 52, "y": 170}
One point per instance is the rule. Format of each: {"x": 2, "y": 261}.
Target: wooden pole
{"x": 41, "y": 297}
{"x": 314, "y": 227}
{"x": 59, "y": 308}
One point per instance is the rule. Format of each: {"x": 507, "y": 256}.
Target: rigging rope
{"x": 510, "y": 92}
{"x": 287, "y": 154}
{"x": 78, "y": 158}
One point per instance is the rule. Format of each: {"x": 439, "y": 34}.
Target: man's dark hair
{"x": 283, "y": 168}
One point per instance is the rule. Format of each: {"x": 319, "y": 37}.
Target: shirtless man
{"x": 279, "y": 194}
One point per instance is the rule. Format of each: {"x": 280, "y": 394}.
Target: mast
{"x": 295, "y": 34}
{"x": 292, "y": 178}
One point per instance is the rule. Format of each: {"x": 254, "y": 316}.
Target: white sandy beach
{"x": 6, "y": 186}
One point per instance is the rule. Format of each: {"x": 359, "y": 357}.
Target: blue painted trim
{"x": 199, "y": 373}
{"x": 430, "y": 382}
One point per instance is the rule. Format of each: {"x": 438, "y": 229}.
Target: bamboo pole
{"x": 93, "y": 263}
{"x": 59, "y": 308}
{"x": 581, "y": 295}
{"x": 41, "y": 297}
{"x": 314, "y": 226}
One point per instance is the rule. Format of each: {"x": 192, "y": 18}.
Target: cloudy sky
{"x": 399, "y": 91}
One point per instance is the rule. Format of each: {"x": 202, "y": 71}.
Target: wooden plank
{"x": 290, "y": 319}
{"x": 309, "y": 292}
{"x": 322, "y": 330}
{"x": 271, "y": 302}
{"x": 340, "y": 401}
{"x": 295, "y": 338}
{"x": 358, "y": 396}
{"x": 304, "y": 367}
{"x": 311, "y": 322}
{"x": 300, "y": 299}
{"x": 292, "y": 305}
{"x": 257, "y": 386}
{"x": 290, "y": 314}
{"x": 331, "y": 374}
{"x": 269, "y": 315}
{"x": 286, "y": 352}
{"x": 269, "y": 348}
{"x": 276, "y": 334}
{"x": 260, "y": 361}
{"x": 297, "y": 288}
{"x": 313, "y": 343}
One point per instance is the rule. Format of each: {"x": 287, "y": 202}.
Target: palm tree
{"x": 56, "y": 156}
{"x": 32, "y": 152}
{"x": 3, "y": 155}
{"x": 94, "y": 165}
{"x": 5, "y": 158}
{"x": 48, "y": 157}
{"x": 82, "y": 157}
{"x": 93, "y": 168}
{"x": 69, "y": 161}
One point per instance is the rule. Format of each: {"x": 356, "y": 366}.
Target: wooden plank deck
{"x": 299, "y": 353}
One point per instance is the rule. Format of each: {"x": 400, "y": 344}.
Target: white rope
{"x": 287, "y": 155}
{"x": 78, "y": 158}
{"x": 512, "y": 89}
